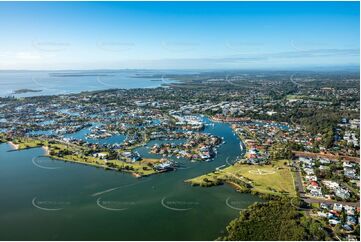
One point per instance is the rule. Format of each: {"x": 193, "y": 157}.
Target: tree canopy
{"x": 274, "y": 220}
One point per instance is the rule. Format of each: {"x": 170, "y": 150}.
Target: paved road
{"x": 316, "y": 200}
{"x": 302, "y": 194}
{"x": 298, "y": 180}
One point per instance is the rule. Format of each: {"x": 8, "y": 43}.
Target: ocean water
{"x": 66, "y": 82}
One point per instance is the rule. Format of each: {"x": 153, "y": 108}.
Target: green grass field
{"x": 27, "y": 143}
{"x": 273, "y": 179}
{"x": 136, "y": 168}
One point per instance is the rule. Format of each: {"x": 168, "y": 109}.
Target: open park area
{"x": 275, "y": 178}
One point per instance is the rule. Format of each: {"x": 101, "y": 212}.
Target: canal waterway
{"x": 43, "y": 199}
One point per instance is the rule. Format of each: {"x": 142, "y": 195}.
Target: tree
{"x": 274, "y": 220}
{"x": 280, "y": 151}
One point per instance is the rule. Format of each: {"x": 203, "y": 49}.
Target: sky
{"x": 178, "y": 35}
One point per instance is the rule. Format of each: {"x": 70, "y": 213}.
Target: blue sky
{"x": 178, "y": 35}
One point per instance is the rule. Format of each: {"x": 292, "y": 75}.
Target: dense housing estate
{"x": 314, "y": 156}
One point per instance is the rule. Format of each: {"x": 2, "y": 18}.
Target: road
{"x": 319, "y": 200}
{"x": 298, "y": 181}
{"x": 302, "y": 193}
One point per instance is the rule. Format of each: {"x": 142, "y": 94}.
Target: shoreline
{"x": 136, "y": 175}
{"x": 14, "y": 146}
{"x": 46, "y": 150}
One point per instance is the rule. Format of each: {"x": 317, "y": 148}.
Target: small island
{"x": 25, "y": 90}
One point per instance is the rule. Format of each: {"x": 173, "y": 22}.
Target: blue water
{"x": 76, "y": 189}
{"x": 81, "y": 134}
{"x": 66, "y": 82}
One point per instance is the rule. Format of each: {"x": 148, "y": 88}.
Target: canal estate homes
{"x": 117, "y": 129}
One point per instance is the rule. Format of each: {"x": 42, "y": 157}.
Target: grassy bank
{"x": 26, "y": 143}
{"x": 273, "y": 179}
{"x": 76, "y": 153}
